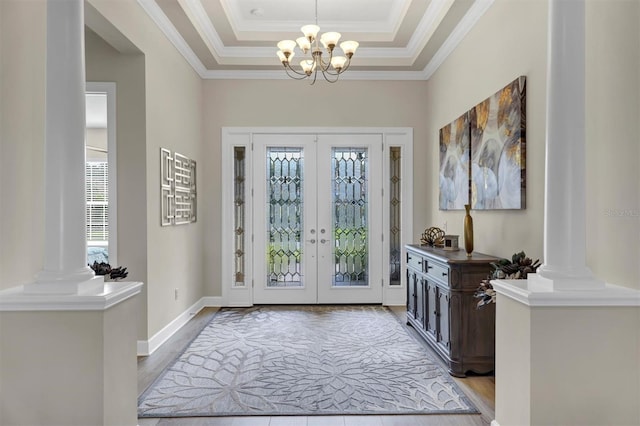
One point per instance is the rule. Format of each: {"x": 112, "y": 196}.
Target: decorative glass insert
{"x": 285, "y": 217}
{"x": 395, "y": 251}
{"x": 350, "y": 214}
{"x": 239, "y": 215}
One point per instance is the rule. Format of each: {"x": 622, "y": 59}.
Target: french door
{"x": 317, "y": 218}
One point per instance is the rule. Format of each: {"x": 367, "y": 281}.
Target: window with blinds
{"x": 97, "y": 181}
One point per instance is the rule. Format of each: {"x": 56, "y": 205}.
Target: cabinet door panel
{"x": 411, "y": 293}
{"x": 419, "y": 283}
{"x": 444, "y": 334}
{"x": 431, "y": 308}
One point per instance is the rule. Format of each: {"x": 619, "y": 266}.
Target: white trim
{"x": 110, "y": 89}
{"x": 397, "y": 295}
{"x": 161, "y": 20}
{"x": 223, "y": 54}
{"x": 147, "y": 347}
{"x": 97, "y": 298}
{"x": 465, "y": 25}
{"x": 389, "y": 26}
{"x": 242, "y": 136}
{"x": 529, "y": 293}
{"x": 281, "y": 75}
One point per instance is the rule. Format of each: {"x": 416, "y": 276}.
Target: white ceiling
{"x": 399, "y": 39}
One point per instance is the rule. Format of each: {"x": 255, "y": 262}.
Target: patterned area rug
{"x": 303, "y": 360}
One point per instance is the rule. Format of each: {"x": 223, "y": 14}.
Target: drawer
{"x": 438, "y": 272}
{"x": 415, "y": 261}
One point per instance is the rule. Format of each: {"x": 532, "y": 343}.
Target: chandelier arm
{"x": 299, "y": 76}
{"x": 288, "y": 68}
{"x": 330, "y": 80}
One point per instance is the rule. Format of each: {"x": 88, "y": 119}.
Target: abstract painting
{"x": 454, "y": 164}
{"x": 498, "y": 149}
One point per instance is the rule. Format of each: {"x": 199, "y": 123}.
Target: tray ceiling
{"x": 399, "y": 39}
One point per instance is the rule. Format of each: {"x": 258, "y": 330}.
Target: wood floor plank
{"x": 326, "y": 421}
{"x": 288, "y": 421}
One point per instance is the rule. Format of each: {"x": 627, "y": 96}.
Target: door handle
{"x": 312, "y": 241}
{"x": 323, "y": 241}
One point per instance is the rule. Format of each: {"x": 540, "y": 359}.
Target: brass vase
{"x": 468, "y": 231}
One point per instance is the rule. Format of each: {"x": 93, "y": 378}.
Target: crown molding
{"x": 196, "y": 12}
{"x": 469, "y": 20}
{"x": 160, "y": 19}
{"x": 281, "y": 75}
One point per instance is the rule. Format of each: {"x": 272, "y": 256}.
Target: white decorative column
{"x": 65, "y": 269}
{"x": 68, "y": 340}
{"x": 564, "y": 339}
{"x": 564, "y": 265}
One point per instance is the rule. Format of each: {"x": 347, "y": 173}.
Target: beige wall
{"x": 104, "y": 63}
{"x": 485, "y": 61}
{"x": 507, "y": 42}
{"x": 173, "y": 120}
{"x": 21, "y": 137}
{"x": 295, "y": 103}
{"x": 613, "y": 141}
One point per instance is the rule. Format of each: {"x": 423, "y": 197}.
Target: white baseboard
{"x": 494, "y": 423}
{"x": 147, "y": 347}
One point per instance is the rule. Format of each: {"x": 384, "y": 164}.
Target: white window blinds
{"x": 97, "y": 180}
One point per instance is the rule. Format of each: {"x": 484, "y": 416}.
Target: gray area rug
{"x": 303, "y": 360}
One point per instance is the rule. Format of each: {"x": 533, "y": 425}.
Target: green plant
{"x": 515, "y": 269}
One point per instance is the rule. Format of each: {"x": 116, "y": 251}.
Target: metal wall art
{"x": 177, "y": 188}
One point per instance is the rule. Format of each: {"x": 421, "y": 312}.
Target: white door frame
{"x": 232, "y": 137}
{"x": 109, "y": 88}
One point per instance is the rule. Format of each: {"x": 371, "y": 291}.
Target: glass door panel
{"x": 284, "y": 216}
{"x": 350, "y": 214}
{"x": 285, "y": 224}
{"x": 350, "y": 207}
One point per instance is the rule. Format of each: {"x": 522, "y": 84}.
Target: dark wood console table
{"x": 441, "y": 307}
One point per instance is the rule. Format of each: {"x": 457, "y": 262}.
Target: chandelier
{"x": 331, "y": 68}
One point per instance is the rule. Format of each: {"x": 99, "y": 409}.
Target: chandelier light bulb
{"x": 287, "y": 46}
{"x": 308, "y": 66}
{"x": 338, "y": 62}
{"x": 349, "y": 47}
{"x": 330, "y": 40}
{"x": 310, "y": 32}
{"x": 304, "y": 44}
{"x": 284, "y": 58}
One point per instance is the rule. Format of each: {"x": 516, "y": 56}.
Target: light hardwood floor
{"x": 479, "y": 389}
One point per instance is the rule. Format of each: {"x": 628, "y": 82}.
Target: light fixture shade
{"x": 338, "y": 62}
{"x": 287, "y": 46}
{"x": 348, "y": 47}
{"x": 283, "y": 57}
{"x": 330, "y": 39}
{"x": 310, "y": 31}
{"x": 308, "y": 65}
{"x": 304, "y": 44}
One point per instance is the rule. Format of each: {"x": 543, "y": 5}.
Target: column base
{"x": 549, "y": 278}
{"x": 81, "y": 282}
{"x": 540, "y": 291}
{"x": 90, "y": 295}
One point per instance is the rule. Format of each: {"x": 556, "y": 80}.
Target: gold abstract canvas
{"x": 498, "y": 149}
{"x": 454, "y": 164}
